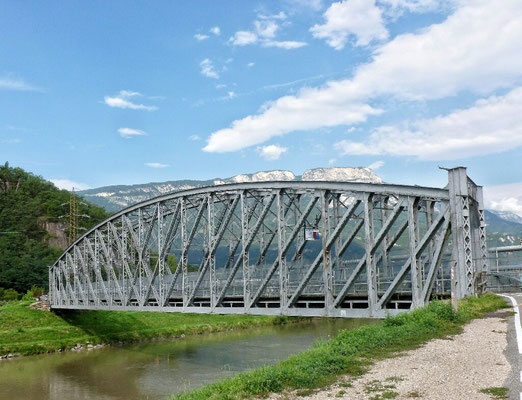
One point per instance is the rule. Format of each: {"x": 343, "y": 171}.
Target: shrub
{"x": 10, "y": 294}
{"x": 29, "y": 296}
{"x": 37, "y": 291}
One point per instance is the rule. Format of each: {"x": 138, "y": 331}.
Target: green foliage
{"x": 350, "y": 352}
{"x": 9, "y": 294}
{"x": 172, "y": 261}
{"x": 498, "y": 392}
{"x": 25, "y": 201}
{"x": 37, "y": 291}
{"x": 28, "y": 331}
{"x": 29, "y": 296}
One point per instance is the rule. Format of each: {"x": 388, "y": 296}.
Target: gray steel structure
{"x": 505, "y": 272}
{"x": 241, "y": 248}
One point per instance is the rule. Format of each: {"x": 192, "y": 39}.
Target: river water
{"x": 156, "y": 370}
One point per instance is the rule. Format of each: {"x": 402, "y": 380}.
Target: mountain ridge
{"x": 116, "y": 197}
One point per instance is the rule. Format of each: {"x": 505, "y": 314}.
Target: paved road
{"x": 514, "y": 348}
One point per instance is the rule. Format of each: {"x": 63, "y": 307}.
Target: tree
{"x": 26, "y": 199}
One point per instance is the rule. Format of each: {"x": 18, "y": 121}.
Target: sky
{"x": 116, "y": 92}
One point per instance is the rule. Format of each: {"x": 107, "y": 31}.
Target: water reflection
{"x": 157, "y": 370}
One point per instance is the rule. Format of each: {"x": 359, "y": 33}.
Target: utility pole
{"x": 74, "y": 216}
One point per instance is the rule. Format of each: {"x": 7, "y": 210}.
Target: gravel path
{"x": 454, "y": 369}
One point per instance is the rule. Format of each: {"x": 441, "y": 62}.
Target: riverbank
{"x": 472, "y": 365}
{"x": 25, "y": 331}
{"x": 351, "y": 353}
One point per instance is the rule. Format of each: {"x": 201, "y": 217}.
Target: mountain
{"x": 501, "y": 231}
{"x": 508, "y": 216}
{"x": 32, "y": 234}
{"x": 115, "y": 198}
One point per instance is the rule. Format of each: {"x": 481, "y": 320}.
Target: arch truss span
{"x": 280, "y": 248}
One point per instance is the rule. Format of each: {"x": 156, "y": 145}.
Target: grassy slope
{"x": 27, "y": 331}
{"x": 351, "y": 351}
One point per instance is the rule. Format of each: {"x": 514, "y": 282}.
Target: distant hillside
{"x": 502, "y": 232}
{"x": 115, "y": 198}
{"x": 31, "y": 232}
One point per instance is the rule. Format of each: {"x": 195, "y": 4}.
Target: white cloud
{"x": 128, "y": 133}
{"x": 476, "y": 49}
{"x": 359, "y": 18}
{"x": 397, "y": 7}
{"x": 200, "y": 37}
{"x": 156, "y": 165}
{"x": 272, "y": 152}
{"x": 284, "y": 115}
{"x": 492, "y": 125}
{"x": 251, "y": 64}
{"x": 286, "y": 44}
{"x": 194, "y": 138}
{"x": 207, "y": 69}
{"x": 332, "y": 161}
{"x": 243, "y": 38}
{"x": 129, "y": 93}
{"x": 121, "y": 100}
{"x": 215, "y": 30}
{"x": 266, "y": 28}
{"x": 8, "y": 83}
{"x": 279, "y": 16}
{"x": 506, "y": 197}
{"x": 69, "y": 185}
{"x": 376, "y": 165}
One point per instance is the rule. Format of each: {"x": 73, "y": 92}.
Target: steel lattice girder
{"x": 241, "y": 248}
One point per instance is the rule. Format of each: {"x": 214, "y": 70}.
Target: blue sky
{"x": 115, "y": 92}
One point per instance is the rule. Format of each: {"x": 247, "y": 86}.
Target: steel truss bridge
{"x": 241, "y": 249}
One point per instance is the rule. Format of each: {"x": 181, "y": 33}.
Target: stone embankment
{"x": 41, "y": 306}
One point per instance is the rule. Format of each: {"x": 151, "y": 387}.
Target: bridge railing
{"x": 505, "y": 272}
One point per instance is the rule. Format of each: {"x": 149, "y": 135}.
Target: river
{"x": 155, "y": 370}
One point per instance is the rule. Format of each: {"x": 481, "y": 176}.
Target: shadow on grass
{"x": 112, "y": 325}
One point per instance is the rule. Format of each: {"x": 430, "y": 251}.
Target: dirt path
{"x": 454, "y": 369}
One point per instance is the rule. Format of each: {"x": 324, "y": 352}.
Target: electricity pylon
{"x": 74, "y": 217}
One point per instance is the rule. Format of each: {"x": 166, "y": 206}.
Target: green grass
{"x": 26, "y": 331}
{"x": 496, "y": 392}
{"x": 351, "y": 352}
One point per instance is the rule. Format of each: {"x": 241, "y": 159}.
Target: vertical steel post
{"x": 183, "y": 258}
{"x": 430, "y": 211}
{"x": 482, "y": 245}
{"x": 211, "y": 254}
{"x": 247, "y": 280}
{"x": 461, "y": 232}
{"x": 371, "y": 273}
{"x": 338, "y": 241}
{"x": 386, "y": 264}
{"x": 327, "y": 270}
{"x": 413, "y": 233}
{"x": 162, "y": 259}
{"x": 281, "y": 240}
